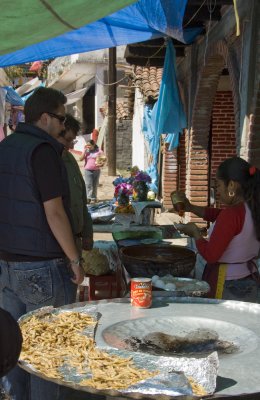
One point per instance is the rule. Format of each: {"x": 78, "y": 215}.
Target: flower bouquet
{"x": 141, "y": 186}
{"x": 122, "y": 193}
{"x": 124, "y": 211}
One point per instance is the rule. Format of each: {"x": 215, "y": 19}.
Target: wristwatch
{"x": 77, "y": 261}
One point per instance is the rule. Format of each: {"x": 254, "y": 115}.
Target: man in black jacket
{"x": 39, "y": 261}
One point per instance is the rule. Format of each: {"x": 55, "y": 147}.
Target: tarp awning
{"x": 12, "y": 97}
{"x": 144, "y": 20}
{"x": 75, "y": 96}
{"x": 26, "y": 22}
{"x": 167, "y": 115}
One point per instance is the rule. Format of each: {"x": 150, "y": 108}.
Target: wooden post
{"x": 111, "y": 135}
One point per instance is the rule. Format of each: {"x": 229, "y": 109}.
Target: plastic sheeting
{"x": 144, "y": 20}
{"x": 23, "y": 23}
{"x": 13, "y": 97}
{"x": 166, "y": 117}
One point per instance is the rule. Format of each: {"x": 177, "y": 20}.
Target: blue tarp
{"x": 13, "y": 97}
{"x": 166, "y": 117}
{"x": 144, "y": 20}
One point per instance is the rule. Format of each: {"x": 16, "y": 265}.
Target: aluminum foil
{"x": 172, "y": 372}
{"x": 203, "y": 370}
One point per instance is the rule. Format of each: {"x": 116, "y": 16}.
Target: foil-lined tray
{"x": 187, "y": 286}
{"x": 173, "y": 373}
{"x": 170, "y": 380}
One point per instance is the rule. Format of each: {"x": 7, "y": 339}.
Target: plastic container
{"x": 178, "y": 203}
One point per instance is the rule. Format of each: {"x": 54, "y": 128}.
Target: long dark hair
{"x": 248, "y": 177}
{"x": 96, "y": 148}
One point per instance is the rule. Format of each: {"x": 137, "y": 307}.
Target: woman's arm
{"x": 197, "y": 210}
{"x": 83, "y": 155}
{"x": 228, "y": 224}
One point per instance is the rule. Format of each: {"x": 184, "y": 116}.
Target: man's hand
{"x": 78, "y": 272}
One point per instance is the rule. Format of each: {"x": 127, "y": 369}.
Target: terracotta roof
{"x": 123, "y": 111}
{"x": 148, "y": 80}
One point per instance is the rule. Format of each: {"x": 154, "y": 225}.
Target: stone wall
{"x": 124, "y": 144}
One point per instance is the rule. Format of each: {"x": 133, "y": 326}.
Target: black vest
{"x": 23, "y": 225}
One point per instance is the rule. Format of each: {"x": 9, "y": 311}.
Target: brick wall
{"x": 223, "y": 130}
{"x": 182, "y": 161}
{"x": 170, "y": 176}
{"x": 223, "y": 133}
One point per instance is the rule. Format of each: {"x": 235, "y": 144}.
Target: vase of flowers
{"x": 122, "y": 192}
{"x": 141, "y": 186}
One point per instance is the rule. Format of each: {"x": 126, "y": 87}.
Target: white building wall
{"x": 139, "y": 153}
{"x": 100, "y": 93}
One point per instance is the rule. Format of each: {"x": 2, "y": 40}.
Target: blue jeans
{"x": 26, "y": 286}
{"x": 92, "y": 180}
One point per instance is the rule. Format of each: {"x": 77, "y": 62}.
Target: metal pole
{"x": 111, "y": 136}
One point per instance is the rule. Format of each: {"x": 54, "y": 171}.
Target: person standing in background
{"x": 94, "y": 135}
{"x": 94, "y": 159}
{"x": 81, "y": 219}
{"x": 40, "y": 264}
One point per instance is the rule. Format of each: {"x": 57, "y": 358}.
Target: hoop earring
{"x": 231, "y": 194}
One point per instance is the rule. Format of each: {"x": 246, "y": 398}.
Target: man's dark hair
{"x": 42, "y": 100}
{"x": 71, "y": 123}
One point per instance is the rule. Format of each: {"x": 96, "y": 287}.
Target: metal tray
{"x": 188, "y": 287}
{"x": 238, "y": 322}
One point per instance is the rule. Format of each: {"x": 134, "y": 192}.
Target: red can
{"x": 141, "y": 292}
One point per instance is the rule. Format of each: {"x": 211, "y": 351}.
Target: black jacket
{"x": 23, "y": 225}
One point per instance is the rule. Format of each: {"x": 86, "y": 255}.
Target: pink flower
{"x": 123, "y": 188}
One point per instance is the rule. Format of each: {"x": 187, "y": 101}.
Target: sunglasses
{"x": 61, "y": 118}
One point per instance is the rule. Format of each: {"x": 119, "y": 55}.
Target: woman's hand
{"x": 189, "y": 229}
{"x": 182, "y": 198}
